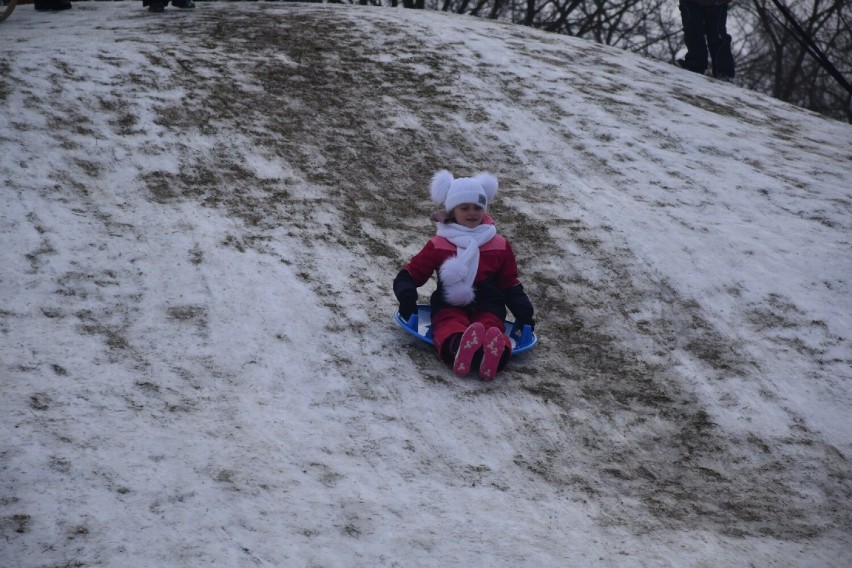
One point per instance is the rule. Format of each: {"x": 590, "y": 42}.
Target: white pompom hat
{"x": 451, "y": 192}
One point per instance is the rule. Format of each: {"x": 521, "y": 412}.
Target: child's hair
{"x": 450, "y": 215}
{"x": 442, "y": 216}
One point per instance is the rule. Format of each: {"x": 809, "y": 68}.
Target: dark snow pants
{"x": 705, "y": 29}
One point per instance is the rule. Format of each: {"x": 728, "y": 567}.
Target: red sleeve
{"x": 508, "y": 275}
{"x": 423, "y": 264}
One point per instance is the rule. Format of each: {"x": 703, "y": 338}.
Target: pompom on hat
{"x": 452, "y": 192}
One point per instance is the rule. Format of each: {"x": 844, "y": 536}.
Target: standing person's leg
{"x": 718, "y": 41}
{"x": 692, "y": 18}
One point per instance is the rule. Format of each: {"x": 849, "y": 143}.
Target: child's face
{"x": 468, "y": 215}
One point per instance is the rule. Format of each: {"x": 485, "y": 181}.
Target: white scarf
{"x": 458, "y": 272}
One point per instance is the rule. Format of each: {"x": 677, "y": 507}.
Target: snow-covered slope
{"x": 201, "y": 214}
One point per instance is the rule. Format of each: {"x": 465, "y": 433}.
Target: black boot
{"x": 52, "y": 5}
{"x": 450, "y": 348}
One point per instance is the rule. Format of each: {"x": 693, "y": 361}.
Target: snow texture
{"x": 201, "y": 213}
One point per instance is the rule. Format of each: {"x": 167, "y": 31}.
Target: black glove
{"x": 405, "y": 291}
{"x": 407, "y": 305}
{"x": 520, "y": 306}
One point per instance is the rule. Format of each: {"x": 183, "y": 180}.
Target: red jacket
{"x": 496, "y": 284}
{"x": 496, "y": 258}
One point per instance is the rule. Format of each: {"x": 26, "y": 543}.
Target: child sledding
{"x": 477, "y": 279}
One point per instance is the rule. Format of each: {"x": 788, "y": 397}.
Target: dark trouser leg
{"x": 718, "y": 41}
{"x": 692, "y": 18}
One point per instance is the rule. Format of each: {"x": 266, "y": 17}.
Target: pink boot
{"x": 471, "y": 342}
{"x": 492, "y": 353}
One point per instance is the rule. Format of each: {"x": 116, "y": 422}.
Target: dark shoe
{"x": 684, "y": 65}
{"x": 450, "y": 348}
{"x": 184, "y": 4}
{"x": 157, "y": 6}
{"x": 52, "y": 5}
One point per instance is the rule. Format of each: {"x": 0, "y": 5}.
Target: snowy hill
{"x": 201, "y": 214}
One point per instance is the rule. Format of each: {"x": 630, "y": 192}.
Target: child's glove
{"x": 407, "y": 305}
{"x": 405, "y": 291}
{"x": 520, "y": 305}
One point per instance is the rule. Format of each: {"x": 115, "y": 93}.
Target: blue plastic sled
{"x": 420, "y": 326}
